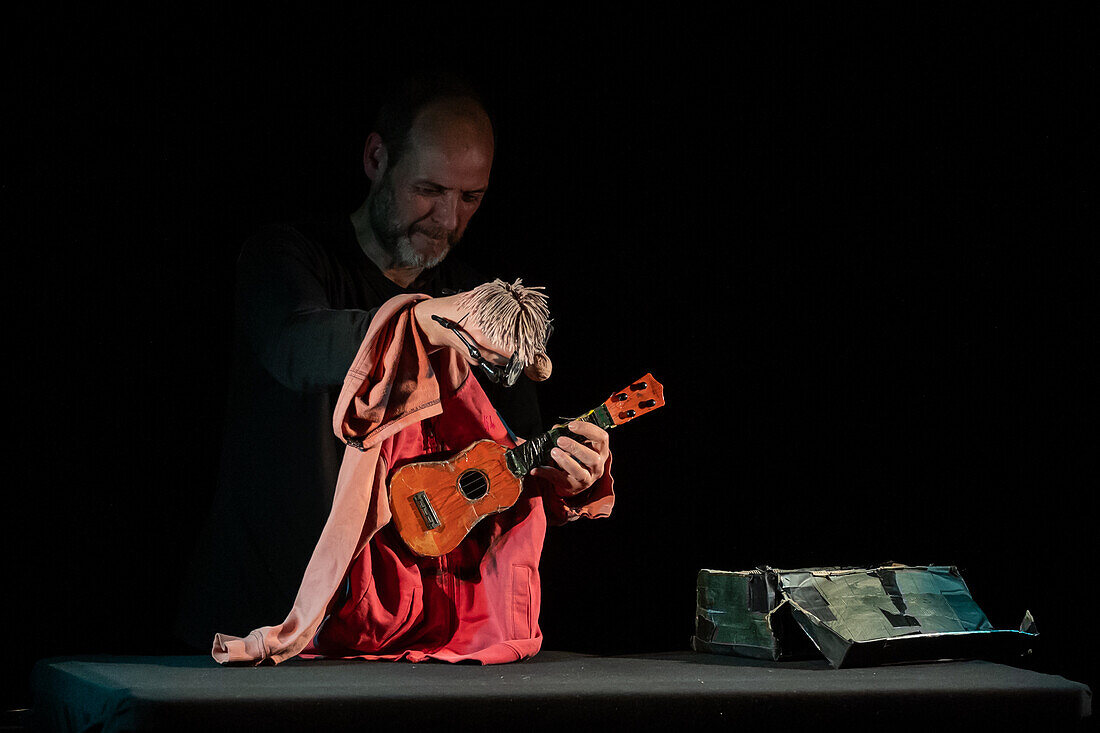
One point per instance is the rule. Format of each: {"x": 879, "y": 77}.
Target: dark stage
{"x": 554, "y": 690}
{"x": 852, "y": 247}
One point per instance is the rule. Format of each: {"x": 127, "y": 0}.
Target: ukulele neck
{"x": 623, "y": 406}
{"x": 536, "y": 451}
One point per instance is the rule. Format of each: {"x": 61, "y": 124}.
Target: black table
{"x": 553, "y": 690}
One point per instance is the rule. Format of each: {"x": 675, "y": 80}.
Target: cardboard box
{"x": 852, "y": 616}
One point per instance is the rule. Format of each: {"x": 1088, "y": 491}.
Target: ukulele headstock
{"x": 636, "y": 399}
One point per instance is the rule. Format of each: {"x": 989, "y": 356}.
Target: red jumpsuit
{"x": 479, "y": 601}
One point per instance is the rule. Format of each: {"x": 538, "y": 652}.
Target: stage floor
{"x": 555, "y": 689}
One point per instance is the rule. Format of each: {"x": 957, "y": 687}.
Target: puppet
{"x": 364, "y": 593}
{"x": 412, "y": 588}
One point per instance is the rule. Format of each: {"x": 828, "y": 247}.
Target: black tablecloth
{"x": 552, "y": 690}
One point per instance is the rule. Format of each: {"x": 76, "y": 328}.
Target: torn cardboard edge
{"x": 852, "y": 616}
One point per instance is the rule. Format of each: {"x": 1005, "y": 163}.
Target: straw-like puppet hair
{"x": 513, "y": 317}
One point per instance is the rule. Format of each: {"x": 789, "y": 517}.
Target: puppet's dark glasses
{"x": 507, "y": 374}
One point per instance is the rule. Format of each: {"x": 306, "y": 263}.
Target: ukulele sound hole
{"x": 473, "y": 484}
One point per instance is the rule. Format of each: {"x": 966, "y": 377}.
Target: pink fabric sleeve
{"x": 390, "y": 385}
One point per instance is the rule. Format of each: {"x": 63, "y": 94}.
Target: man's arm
{"x": 285, "y": 315}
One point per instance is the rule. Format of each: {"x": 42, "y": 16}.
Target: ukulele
{"x": 435, "y": 504}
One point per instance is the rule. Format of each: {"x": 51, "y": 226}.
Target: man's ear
{"x": 375, "y": 157}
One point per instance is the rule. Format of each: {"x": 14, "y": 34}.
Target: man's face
{"x": 420, "y": 207}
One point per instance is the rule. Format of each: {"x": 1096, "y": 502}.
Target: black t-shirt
{"x": 304, "y": 299}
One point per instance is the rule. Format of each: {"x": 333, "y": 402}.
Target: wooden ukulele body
{"x": 435, "y": 504}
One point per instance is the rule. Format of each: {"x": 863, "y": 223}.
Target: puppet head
{"x": 513, "y": 317}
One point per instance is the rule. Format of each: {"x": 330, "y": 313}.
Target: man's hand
{"x": 580, "y": 464}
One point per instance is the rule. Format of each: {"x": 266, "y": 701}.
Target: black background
{"x": 850, "y": 246}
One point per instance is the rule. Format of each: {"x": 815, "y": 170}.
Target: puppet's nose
{"x": 539, "y": 369}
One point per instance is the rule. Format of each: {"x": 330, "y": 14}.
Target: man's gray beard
{"x": 394, "y": 239}
{"x": 405, "y": 255}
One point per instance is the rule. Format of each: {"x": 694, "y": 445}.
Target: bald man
{"x": 425, "y": 190}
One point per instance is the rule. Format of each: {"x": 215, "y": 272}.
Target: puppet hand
{"x": 580, "y": 465}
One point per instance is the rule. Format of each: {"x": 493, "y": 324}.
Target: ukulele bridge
{"x": 427, "y": 512}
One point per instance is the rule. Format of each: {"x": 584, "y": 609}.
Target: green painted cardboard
{"x": 852, "y": 616}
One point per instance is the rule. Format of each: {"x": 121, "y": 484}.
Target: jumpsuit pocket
{"x": 381, "y": 626}
{"x": 384, "y": 601}
{"x": 521, "y": 602}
